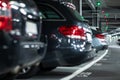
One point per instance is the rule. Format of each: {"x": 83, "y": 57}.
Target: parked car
{"x": 108, "y": 37}
{"x": 69, "y": 36}
{"x": 99, "y": 41}
{"x": 20, "y": 32}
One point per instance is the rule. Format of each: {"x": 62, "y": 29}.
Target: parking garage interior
{"x": 103, "y": 14}
{"x": 67, "y": 48}
{"x": 106, "y": 11}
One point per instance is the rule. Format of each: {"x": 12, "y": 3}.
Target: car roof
{"x": 62, "y": 8}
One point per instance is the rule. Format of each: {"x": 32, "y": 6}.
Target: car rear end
{"x": 78, "y": 32}
{"x": 20, "y": 30}
{"x": 76, "y": 44}
{"x": 69, "y": 46}
{"x": 101, "y": 39}
{"x": 69, "y": 40}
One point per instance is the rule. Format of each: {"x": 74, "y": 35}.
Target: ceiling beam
{"x": 91, "y": 4}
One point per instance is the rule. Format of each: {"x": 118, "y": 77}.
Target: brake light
{"x": 5, "y": 23}
{"x": 5, "y": 16}
{"x": 101, "y": 36}
{"x": 73, "y": 32}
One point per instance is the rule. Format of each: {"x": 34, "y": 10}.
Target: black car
{"x": 20, "y": 30}
{"x": 69, "y": 36}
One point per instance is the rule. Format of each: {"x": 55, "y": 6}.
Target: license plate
{"x": 31, "y": 27}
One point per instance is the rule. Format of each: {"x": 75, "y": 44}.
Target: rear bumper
{"x": 18, "y": 56}
{"x": 10, "y": 65}
{"x": 67, "y": 57}
{"x": 63, "y": 51}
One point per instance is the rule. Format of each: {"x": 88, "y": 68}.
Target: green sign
{"x": 98, "y": 3}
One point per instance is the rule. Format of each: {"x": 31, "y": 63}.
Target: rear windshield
{"x": 29, "y": 3}
{"x": 25, "y": 3}
{"x": 48, "y": 12}
{"x": 74, "y": 12}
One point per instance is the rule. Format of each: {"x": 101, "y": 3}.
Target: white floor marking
{"x": 84, "y": 74}
{"x": 114, "y": 46}
{"x": 84, "y": 68}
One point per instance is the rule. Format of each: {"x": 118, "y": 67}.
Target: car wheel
{"x": 46, "y": 69}
{"x": 27, "y": 72}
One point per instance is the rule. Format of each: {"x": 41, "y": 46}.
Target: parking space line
{"x": 84, "y": 68}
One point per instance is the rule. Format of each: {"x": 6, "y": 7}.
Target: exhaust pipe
{"x": 15, "y": 70}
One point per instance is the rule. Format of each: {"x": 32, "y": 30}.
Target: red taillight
{"x": 5, "y": 23}
{"x": 5, "y": 16}
{"x": 101, "y": 36}
{"x": 73, "y": 32}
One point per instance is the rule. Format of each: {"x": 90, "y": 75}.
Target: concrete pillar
{"x": 80, "y": 1}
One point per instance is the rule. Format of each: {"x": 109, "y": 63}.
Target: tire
{"x": 28, "y": 73}
{"x": 46, "y": 69}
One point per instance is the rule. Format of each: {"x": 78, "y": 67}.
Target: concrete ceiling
{"x": 111, "y": 7}
{"x": 113, "y": 3}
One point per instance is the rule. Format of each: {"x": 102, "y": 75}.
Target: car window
{"x": 24, "y": 3}
{"x": 26, "y": 6}
{"x": 73, "y": 10}
{"x": 49, "y": 13}
{"x": 76, "y": 14}
{"x": 29, "y": 3}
